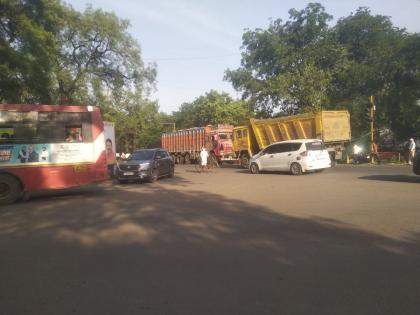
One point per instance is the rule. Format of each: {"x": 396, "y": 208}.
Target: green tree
{"x": 211, "y": 108}
{"x": 51, "y": 53}
{"x": 373, "y": 45}
{"x": 96, "y": 51}
{"x": 289, "y": 66}
{"x": 304, "y": 65}
{"x": 27, "y": 47}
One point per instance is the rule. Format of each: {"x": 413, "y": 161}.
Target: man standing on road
{"x": 203, "y": 157}
{"x": 411, "y": 151}
{"x": 374, "y": 153}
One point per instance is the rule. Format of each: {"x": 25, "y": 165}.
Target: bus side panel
{"x": 48, "y": 177}
{"x": 61, "y": 176}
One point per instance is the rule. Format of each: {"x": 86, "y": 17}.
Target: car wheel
{"x": 171, "y": 172}
{"x": 254, "y": 168}
{"x": 416, "y": 166}
{"x": 10, "y": 189}
{"x": 295, "y": 169}
{"x": 154, "y": 176}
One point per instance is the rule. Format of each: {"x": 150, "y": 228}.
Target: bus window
{"x": 24, "y": 133}
{"x": 56, "y": 127}
{"x": 74, "y": 134}
{"x": 245, "y": 134}
{"x": 223, "y": 136}
{"x": 238, "y": 134}
{"x": 6, "y": 134}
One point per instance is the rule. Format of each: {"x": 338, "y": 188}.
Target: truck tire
{"x": 10, "y": 189}
{"x": 244, "y": 160}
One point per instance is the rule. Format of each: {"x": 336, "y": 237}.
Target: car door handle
{"x": 271, "y": 156}
{"x": 289, "y": 154}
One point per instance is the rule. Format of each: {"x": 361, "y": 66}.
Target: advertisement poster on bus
{"x": 45, "y": 153}
{"x": 109, "y": 133}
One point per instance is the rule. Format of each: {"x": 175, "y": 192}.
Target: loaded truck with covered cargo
{"x": 185, "y": 145}
{"x": 332, "y": 127}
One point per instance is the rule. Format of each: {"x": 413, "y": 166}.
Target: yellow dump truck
{"x": 332, "y": 127}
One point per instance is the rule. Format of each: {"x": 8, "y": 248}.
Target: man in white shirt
{"x": 411, "y": 151}
{"x": 203, "y": 157}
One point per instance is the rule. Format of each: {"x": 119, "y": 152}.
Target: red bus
{"x": 49, "y": 147}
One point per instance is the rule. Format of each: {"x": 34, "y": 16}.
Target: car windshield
{"x": 315, "y": 146}
{"x": 142, "y": 155}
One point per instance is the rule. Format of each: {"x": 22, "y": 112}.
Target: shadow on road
{"x": 393, "y": 178}
{"x": 163, "y": 251}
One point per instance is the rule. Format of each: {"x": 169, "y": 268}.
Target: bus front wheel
{"x": 10, "y": 189}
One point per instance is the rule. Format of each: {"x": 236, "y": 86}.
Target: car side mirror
{"x": 157, "y": 157}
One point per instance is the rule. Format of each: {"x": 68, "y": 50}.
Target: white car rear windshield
{"x": 314, "y": 146}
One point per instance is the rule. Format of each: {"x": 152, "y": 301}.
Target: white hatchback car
{"x": 296, "y": 156}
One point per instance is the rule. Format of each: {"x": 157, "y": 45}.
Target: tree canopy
{"x": 304, "y": 64}
{"x": 212, "y": 108}
{"x": 53, "y": 54}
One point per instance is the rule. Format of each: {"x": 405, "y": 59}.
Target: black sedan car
{"x": 145, "y": 165}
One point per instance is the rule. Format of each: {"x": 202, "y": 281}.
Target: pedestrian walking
{"x": 203, "y": 158}
{"x": 411, "y": 151}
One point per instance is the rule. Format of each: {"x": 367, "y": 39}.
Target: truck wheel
{"x": 10, "y": 189}
{"x": 245, "y": 161}
{"x": 254, "y": 168}
{"x": 187, "y": 159}
{"x": 295, "y": 169}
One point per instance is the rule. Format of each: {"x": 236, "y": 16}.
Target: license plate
{"x": 128, "y": 173}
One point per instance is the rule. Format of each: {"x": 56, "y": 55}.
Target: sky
{"x": 194, "y": 42}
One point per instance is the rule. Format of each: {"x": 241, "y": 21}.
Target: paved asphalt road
{"x": 345, "y": 241}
